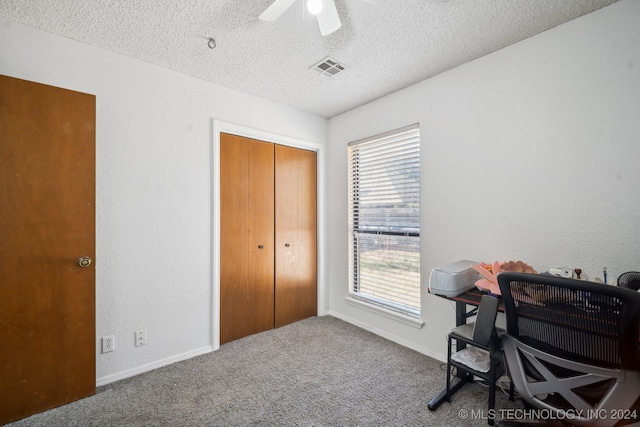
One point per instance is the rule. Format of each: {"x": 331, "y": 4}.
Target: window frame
{"x": 356, "y": 228}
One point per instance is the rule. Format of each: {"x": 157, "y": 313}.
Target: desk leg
{"x": 461, "y": 313}
{"x": 461, "y": 319}
{"x": 461, "y": 378}
{"x": 456, "y": 384}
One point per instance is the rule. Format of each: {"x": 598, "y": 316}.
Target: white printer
{"x": 453, "y": 279}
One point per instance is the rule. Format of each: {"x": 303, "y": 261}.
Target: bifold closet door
{"x": 296, "y": 224}
{"x": 247, "y": 237}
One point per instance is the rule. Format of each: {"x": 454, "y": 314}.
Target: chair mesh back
{"x": 586, "y": 322}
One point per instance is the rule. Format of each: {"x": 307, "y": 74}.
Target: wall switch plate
{"x": 141, "y": 337}
{"x": 108, "y": 343}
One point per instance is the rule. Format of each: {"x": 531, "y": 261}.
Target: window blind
{"x": 384, "y": 219}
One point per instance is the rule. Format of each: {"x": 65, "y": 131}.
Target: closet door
{"x": 295, "y": 258}
{"x": 247, "y": 237}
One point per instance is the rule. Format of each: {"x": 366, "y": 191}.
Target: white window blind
{"x": 384, "y": 219}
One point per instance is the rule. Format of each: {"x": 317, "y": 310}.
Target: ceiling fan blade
{"x": 328, "y": 18}
{"x": 277, "y": 8}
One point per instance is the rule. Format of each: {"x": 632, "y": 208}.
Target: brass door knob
{"x": 84, "y": 261}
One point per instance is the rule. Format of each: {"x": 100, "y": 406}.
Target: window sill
{"x": 390, "y": 314}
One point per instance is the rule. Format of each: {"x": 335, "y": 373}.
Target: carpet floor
{"x": 317, "y": 372}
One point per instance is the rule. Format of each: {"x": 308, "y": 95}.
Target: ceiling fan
{"x": 324, "y": 10}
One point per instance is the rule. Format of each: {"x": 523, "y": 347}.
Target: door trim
{"x": 232, "y": 128}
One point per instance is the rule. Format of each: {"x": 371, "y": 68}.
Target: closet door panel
{"x": 296, "y": 225}
{"x": 260, "y": 273}
{"x": 247, "y": 237}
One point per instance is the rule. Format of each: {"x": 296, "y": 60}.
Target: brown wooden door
{"x": 47, "y": 221}
{"x": 246, "y": 237}
{"x": 296, "y": 267}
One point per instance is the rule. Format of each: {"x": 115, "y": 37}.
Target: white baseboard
{"x": 151, "y": 366}
{"x": 389, "y": 336}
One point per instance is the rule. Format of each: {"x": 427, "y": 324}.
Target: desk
{"x": 471, "y": 297}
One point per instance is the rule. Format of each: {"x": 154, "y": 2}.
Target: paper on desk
{"x": 473, "y": 357}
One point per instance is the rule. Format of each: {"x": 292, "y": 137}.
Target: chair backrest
{"x": 484, "y": 326}
{"x": 572, "y": 347}
{"x": 582, "y": 321}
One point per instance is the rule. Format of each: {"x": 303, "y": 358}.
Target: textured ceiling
{"x": 385, "y": 46}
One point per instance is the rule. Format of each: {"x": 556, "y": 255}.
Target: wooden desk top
{"x": 473, "y": 297}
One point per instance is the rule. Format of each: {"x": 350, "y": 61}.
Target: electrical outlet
{"x": 141, "y": 337}
{"x": 108, "y": 343}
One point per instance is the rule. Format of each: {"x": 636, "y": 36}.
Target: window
{"x": 384, "y": 220}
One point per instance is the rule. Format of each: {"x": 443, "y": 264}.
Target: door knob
{"x": 84, "y": 261}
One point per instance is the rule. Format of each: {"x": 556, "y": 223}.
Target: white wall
{"x": 531, "y": 153}
{"x": 153, "y": 209}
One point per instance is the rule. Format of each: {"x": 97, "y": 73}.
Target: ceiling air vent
{"x": 328, "y": 67}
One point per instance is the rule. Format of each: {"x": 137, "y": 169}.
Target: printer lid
{"x": 457, "y": 267}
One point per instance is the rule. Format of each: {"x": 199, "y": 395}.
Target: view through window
{"x": 384, "y": 219}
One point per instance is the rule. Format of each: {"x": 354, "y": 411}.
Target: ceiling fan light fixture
{"x": 314, "y": 6}
{"x": 325, "y": 12}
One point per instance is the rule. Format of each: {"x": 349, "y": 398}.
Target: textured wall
{"x": 154, "y": 139}
{"x": 528, "y": 153}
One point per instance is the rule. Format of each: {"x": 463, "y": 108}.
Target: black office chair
{"x": 573, "y": 347}
{"x": 482, "y": 335}
{"x": 630, "y": 280}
